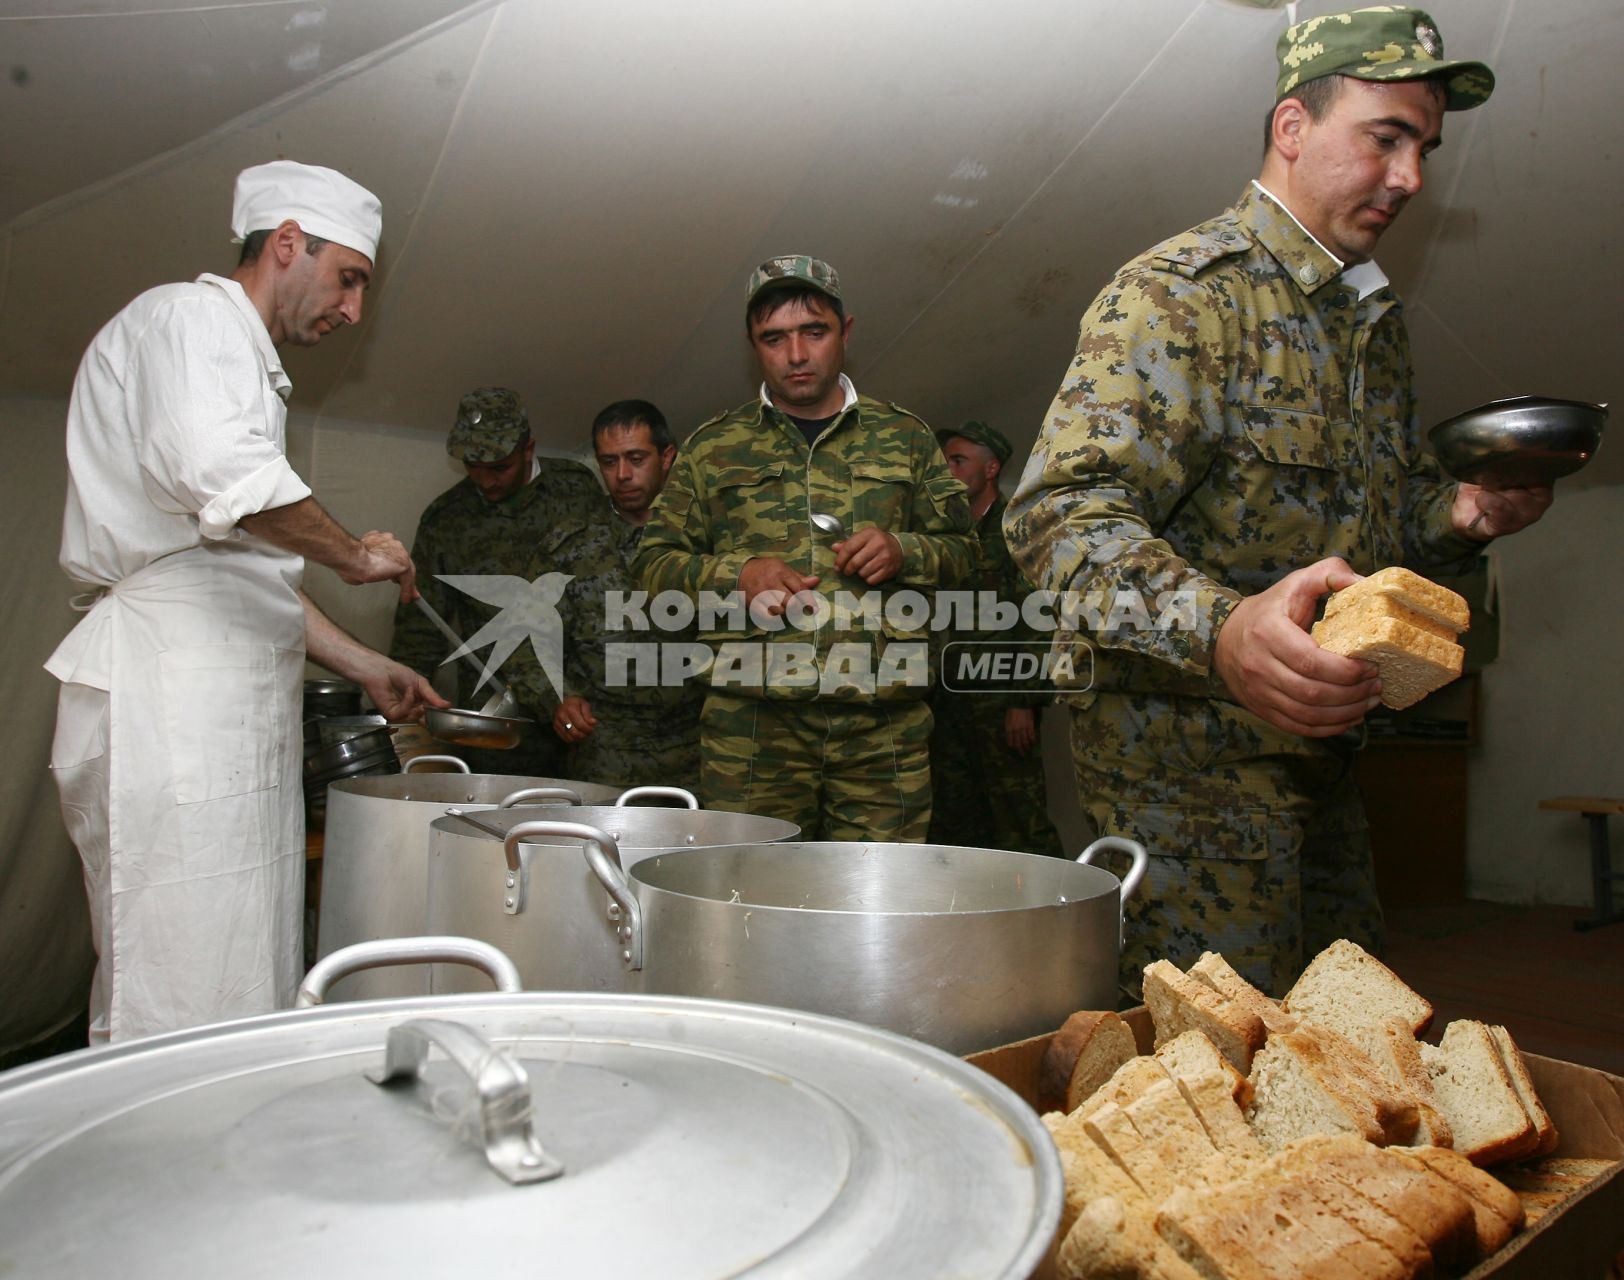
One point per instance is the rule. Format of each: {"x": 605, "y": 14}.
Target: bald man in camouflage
{"x": 1236, "y": 437}
{"x": 828, "y": 727}
{"x": 494, "y": 521}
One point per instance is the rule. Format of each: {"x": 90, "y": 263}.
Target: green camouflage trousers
{"x": 635, "y": 753}
{"x": 985, "y": 794}
{"x": 1258, "y": 843}
{"x": 840, "y": 770}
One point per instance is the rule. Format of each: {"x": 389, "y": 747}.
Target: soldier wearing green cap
{"x": 510, "y": 507}
{"x": 1236, "y": 437}
{"x": 986, "y": 769}
{"x": 812, "y": 716}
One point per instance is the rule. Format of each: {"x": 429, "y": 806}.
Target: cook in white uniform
{"x": 178, "y": 751}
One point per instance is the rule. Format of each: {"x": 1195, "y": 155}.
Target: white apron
{"x": 198, "y": 899}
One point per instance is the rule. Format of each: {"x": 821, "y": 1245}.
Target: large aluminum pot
{"x": 520, "y": 883}
{"x": 962, "y": 948}
{"x": 516, "y": 1135}
{"x": 375, "y": 855}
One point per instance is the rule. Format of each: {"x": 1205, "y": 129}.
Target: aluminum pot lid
{"x": 695, "y": 1138}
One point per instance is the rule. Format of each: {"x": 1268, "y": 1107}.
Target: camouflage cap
{"x": 792, "y": 269}
{"x": 1388, "y": 42}
{"x": 979, "y": 433}
{"x": 491, "y": 423}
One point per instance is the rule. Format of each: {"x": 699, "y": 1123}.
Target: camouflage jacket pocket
{"x": 752, "y": 510}
{"x": 1288, "y": 437}
{"x": 881, "y": 493}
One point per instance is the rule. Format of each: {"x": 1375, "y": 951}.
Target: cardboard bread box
{"x": 1581, "y": 1239}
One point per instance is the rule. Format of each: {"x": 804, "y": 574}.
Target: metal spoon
{"x": 825, "y": 523}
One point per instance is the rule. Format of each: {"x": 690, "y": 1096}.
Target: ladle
{"x": 500, "y": 703}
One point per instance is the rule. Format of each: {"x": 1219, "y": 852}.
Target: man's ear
{"x": 286, "y": 242}
{"x": 1286, "y": 129}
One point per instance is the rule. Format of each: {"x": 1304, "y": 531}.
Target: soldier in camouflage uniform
{"x": 493, "y": 522}
{"x": 1237, "y": 436}
{"x": 812, "y": 716}
{"x": 986, "y": 764}
{"x": 620, "y": 730}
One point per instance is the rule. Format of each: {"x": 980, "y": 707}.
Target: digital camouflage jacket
{"x": 1234, "y": 412}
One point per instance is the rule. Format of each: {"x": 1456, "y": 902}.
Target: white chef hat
{"x": 322, "y": 201}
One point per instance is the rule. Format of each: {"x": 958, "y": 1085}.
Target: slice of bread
{"x": 1344, "y": 987}
{"x": 1179, "y": 1003}
{"x": 1403, "y": 589}
{"x": 1170, "y": 1127}
{"x": 1090, "y": 1174}
{"x": 1424, "y": 1202}
{"x": 1511, "y": 1058}
{"x": 1082, "y": 1056}
{"x": 1214, "y": 971}
{"x": 1296, "y": 1093}
{"x": 1398, "y": 1054}
{"x": 1192, "y": 1053}
{"x": 1115, "y": 1134}
{"x": 1411, "y": 663}
{"x": 1128, "y": 1082}
{"x": 1311, "y": 1080}
{"x": 1486, "y": 1117}
{"x": 1497, "y": 1214}
{"x": 1302, "y": 1162}
{"x": 1113, "y": 1240}
{"x": 1213, "y": 1102}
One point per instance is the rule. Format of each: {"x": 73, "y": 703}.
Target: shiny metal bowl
{"x": 1526, "y": 440}
{"x": 474, "y": 728}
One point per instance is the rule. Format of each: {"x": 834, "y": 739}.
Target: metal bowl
{"x": 474, "y": 728}
{"x": 1526, "y": 440}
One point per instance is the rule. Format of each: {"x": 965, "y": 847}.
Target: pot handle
{"x": 387, "y": 951}
{"x": 1136, "y": 872}
{"x": 411, "y": 765}
{"x": 517, "y": 881}
{"x": 503, "y": 1089}
{"x": 670, "y": 793}
{"x": 629, "y": 920}
{"x": 542, "y": 794}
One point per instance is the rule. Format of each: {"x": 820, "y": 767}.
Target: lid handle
{"x": 1136, "y": 872}
{"x": 500, "y": 1083}
{"x": 669, "y": 793}
{"x": 387, "y": 951}
{"x": 459, "y": 764}
{"x": 531, "y": 795}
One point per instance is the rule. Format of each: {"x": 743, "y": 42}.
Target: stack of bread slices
{"x": 1314, "y": 1136}
{"x": 1403, "y": 623}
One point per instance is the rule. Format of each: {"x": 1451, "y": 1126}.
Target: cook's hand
{"x": 382, "y": 558}
{"x": 1020, "y": 729}
{"x": 771, "y": 577}
{"x": 574, "y": 721}
{"x": 871, "y": 554}
{"x": 398, "y": 692}
{"x": 1503, "y": 511}
{"x": 1275, "y": 670}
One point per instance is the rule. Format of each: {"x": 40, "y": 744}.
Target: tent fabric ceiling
{"x": 574, "y": 194}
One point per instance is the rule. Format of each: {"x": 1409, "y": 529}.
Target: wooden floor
{"x": 1558, "y": 991}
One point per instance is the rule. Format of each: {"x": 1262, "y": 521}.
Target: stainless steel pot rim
{"x": 648, "y": 873}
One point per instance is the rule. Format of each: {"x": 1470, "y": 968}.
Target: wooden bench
{"x": 1596, "y": 810}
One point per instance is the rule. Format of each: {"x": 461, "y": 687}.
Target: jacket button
{"x": 1309, "y": 275}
